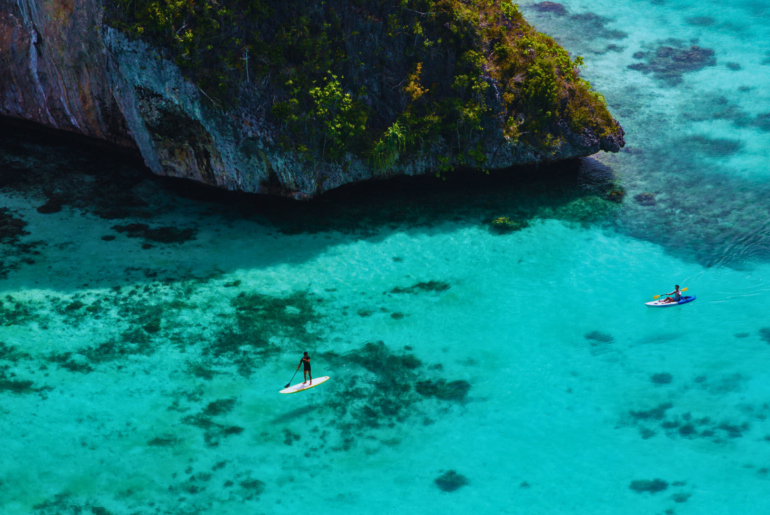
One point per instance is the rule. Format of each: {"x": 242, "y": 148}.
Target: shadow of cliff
{"x": 59, "y": 184}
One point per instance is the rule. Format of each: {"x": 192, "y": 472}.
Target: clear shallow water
{"x": 144, "y": 380}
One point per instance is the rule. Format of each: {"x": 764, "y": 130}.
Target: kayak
{"x": 661, "y": 304}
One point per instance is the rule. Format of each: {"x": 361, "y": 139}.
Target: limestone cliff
{"x": 298, "y": 97}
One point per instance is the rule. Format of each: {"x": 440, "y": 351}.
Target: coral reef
{"x": 672, "y": 59}
{"x": 450, "y": 481}
{"x": 651, "y": 486}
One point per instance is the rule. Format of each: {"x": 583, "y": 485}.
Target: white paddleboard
{"x": 305, "y": 386}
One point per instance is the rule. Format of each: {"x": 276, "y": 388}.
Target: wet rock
{"x": 505, "y": 225}
{"x": 551, "y": 7}
{"x": 450, "y": 481}
{"x": 616, "y": 195}
{"x": 645, "y": 199}
{"x": 662, "y": 378}
{"x": 54, "y": 205}
{"x": 651, "y": 486}
{"x": 670, "y": 61}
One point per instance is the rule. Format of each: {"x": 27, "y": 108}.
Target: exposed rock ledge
{"x": 62, "y": 67}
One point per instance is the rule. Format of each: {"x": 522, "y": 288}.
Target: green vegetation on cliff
{"x": 380, "y": 79}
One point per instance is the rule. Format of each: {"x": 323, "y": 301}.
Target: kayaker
{"x": 306, "y": 371}
{"x": 677, "y": 296}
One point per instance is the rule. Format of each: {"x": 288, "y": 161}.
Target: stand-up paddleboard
{"x": 305, "y": 386}
{"x": 661, "y": 304}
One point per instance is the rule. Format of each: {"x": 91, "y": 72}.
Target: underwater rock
{"x": 15, "y": 386}
{"x": 657, "y": 413}
{"x": 680, "y": 497}
{"x": 764, "y": 333}
{"x": 450, "y": 481}
{"x": 645, "y": 199}
{"x": 733, "y": 66}
{"x": 504, "y": 225}
{"x": 599, "y": 337}
{"x": 616, "y": 195}
{"x": 644, "y": 485}
{"x": 762, "y": 121}
{"x": 661, "y": 378}
{"x": 551, "y": 7}
{"x": 701, "y": 21}
{"x": 441, "y": 389}
{"x": 10, "y": 227}
{"x": 430, "y": 286}
{"x": 54, "y": 205}
{"x": 159, "y": 235}
{"x": 593, "y": 26}
{"x": 670, "y": 61}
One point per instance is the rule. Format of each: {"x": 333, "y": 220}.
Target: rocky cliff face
{"x": 411, "y": 103}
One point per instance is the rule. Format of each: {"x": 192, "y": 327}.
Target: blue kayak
{"x": 661, "y": 304}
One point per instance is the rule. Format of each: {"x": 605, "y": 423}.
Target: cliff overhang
{"x": 299, "y": 100}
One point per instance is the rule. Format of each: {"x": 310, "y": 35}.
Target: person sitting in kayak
{"x": 306, "y": 371}
{"x": 677, "y": 296}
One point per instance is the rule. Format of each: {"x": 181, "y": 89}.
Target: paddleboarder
{"x": 306, "y": 371}
{"x": 677, "y": 296}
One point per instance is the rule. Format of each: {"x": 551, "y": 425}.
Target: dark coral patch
{"x": 670, "y": 61}
{"x": 551, "y": 7}
{"x": 599, "y": 337}
{"x": 593, "y": 26}
{"x": 450, "y": 481}
{"x": 651, "y": 486}
{"x": 423, "y": 287}
{"x": 447, "y": 391}
{"x": 10, "y": 227}
{"x": 645, "y": 199}
{"x": 158, "y": 235}
{"x": 701, "y": 21}
{"x": 764, "y": 333}
{"x": 661, "y": 378}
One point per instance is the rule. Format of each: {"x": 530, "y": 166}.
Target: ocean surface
{"x": 147, "y": 325}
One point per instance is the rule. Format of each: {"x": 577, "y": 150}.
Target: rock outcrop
{"x": 64, "y": 67}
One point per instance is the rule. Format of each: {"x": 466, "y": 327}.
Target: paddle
{"x": 659, "y": 296}
{"x": 292, "y": 378}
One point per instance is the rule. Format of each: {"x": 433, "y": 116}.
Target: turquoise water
{"x": 145, "y": 380}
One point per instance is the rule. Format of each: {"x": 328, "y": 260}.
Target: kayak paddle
{"x": 659, "y": 296}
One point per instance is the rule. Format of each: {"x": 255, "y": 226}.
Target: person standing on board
{"x": 306, "y": 371}
{"x": 677, "y": 296}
